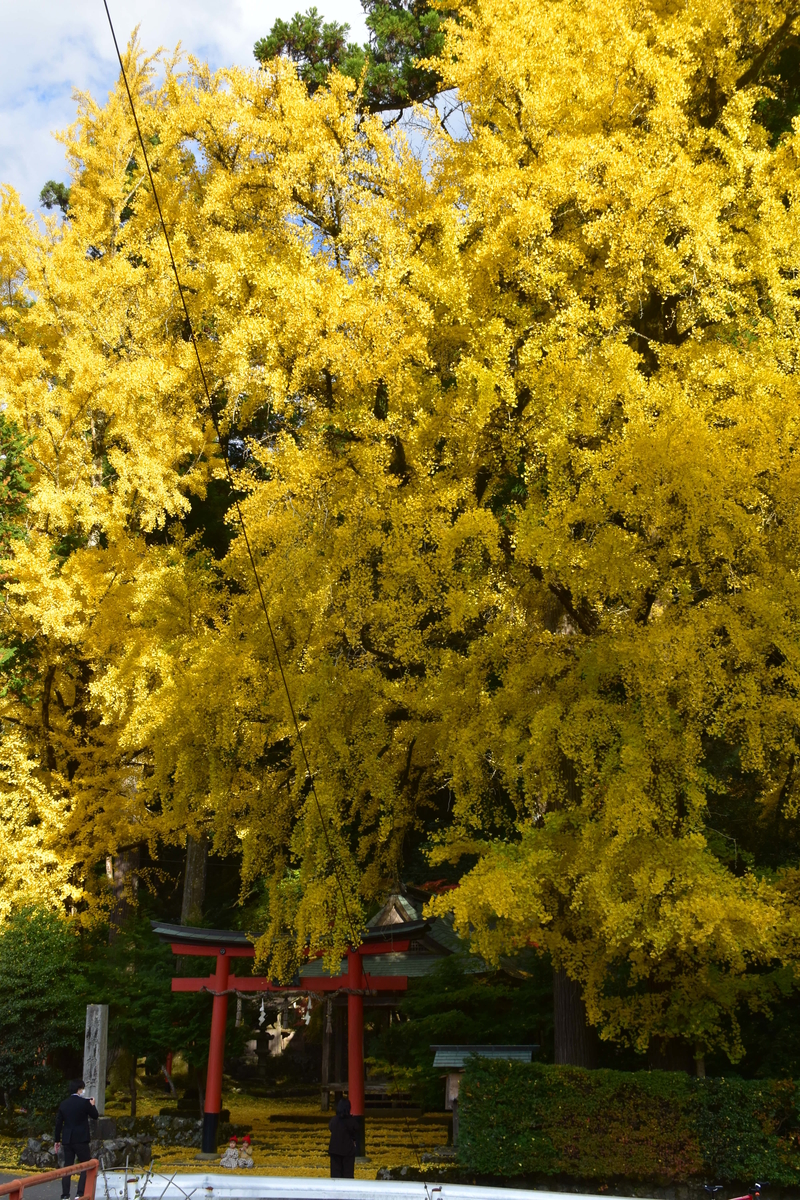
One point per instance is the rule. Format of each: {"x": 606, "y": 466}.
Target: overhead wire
{"x": 355, "y": 937}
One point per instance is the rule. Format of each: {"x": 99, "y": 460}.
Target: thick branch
{"x": 50, "y": 754}
{"x": 585, "y": 620}
{"x": 760, "y": 61}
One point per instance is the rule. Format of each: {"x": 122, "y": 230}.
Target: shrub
{"x": 655, "y": 1126}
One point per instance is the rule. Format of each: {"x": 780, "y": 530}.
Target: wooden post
{"x": 339, "y": 1034}
{"x": 216, "y": 1056}
{"x": 327, "y": 1030}
{"x": 355, "y": 1044}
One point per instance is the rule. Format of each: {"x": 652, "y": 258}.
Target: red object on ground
{"x": 16, "y": 1186}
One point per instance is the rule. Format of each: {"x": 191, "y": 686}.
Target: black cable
{"x": 356, "y": 940}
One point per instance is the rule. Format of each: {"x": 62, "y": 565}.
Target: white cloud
{"x": 49, "y": 47}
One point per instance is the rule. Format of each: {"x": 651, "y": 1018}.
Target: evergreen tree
{"x": 42, "y": 1007}
{"x": 55, "y": 195}
{"x": 402, "y": 33}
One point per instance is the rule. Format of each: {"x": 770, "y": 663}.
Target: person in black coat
{"x": 73, "y": 1122}
{"x": 344, "y": 1139}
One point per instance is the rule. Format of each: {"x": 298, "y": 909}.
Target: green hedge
{"x": 655, "y": 1126}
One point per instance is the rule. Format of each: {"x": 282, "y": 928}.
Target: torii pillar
{"x": 355, "y": 1043}
{"x": 216, "y": 1054}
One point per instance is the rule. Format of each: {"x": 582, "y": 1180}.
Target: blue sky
{"x": 49, "y": 47}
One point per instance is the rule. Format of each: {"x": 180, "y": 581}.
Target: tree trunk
{"x": 672, "y": 1054}
{"x": 575, "y": 1040}
{"x": 123, "y": 873}
{"x": 133, "y": 1086}
{"x": 194, "y": 885}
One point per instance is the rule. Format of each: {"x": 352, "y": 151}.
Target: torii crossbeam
{"x": 225, "y": 944}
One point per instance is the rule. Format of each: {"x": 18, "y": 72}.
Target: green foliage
{"x": 55, "y": 195}
{"x": 401, "y": 34}
{"x": 737, "y": 1122}
{"x": 15, "y": 472}
{"x": 49, "y": 971}
{"x": 41, "y": 1006}
{"x": 659, "y": 1126}
{"x": 772, "y": 1042}
{"x": 316, "y": 47}
{"x": 133, "y": 975}
{"x": 779, "y": 110}
{"x": 453, "y": 1006}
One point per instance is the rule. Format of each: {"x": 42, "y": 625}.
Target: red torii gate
{"x": 225, "y": 944}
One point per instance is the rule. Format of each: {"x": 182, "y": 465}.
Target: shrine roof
{"x": 192, "y": 935}
{"x": 401, "y": 918}
{"x": 455, "y": 1057}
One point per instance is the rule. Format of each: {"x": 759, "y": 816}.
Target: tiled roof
{"x": 455, "y": 1057}
{"x": 193, "y": 935}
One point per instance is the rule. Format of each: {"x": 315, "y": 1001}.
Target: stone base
{"x": 190, "y": 1113}
{"x": 103, "y": 1130}
{"x": 172, "y": 1130}
{"x": 112, "y": 1153}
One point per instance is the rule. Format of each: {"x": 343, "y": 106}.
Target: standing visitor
{"x": 342, "y": 1146}
{"x": 73, "y": 1119}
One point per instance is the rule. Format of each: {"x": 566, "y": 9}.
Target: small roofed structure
{"x": 454, "y": 1059}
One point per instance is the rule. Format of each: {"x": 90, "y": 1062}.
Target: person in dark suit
{"x": 73, "y": 1121}
{"x": 342, "y": 1146}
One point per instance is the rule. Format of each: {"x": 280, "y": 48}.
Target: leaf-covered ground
{"x": 280, "y": 1147}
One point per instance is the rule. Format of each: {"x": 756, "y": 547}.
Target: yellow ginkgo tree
{"x": 512, "y": 420}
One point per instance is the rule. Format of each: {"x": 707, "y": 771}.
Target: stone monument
{"x": 95, "y": 1053}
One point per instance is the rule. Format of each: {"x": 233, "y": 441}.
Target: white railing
{"x": 116, "y": 1185}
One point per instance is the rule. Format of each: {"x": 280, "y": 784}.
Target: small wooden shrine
{"x": 454, "y": 1059}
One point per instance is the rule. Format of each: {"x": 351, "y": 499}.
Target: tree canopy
{"x": 393, "y": 70}
{"x": 512, "y": 418}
